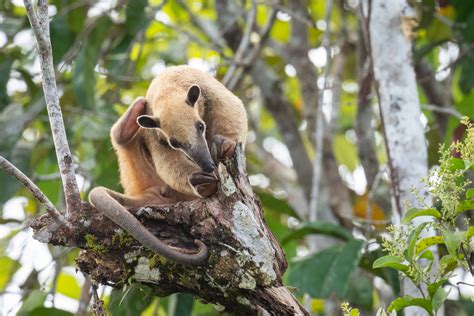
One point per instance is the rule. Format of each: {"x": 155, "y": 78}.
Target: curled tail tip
{"x": 201, "y": 255}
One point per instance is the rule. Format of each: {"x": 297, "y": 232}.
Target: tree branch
{"x": 43, "y": 199}
{"x": 245, "y": 265}
{"x": 319, "y": 127}
{"x": 243, "y": 46}
{"x": 40, "y": 25}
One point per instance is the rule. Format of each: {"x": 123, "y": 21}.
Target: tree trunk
{"x": 241, "y": 275}
{"x": 400, "y": 111}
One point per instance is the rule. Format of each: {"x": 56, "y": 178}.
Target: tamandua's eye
{"x": 200, "y": 127}
{"x": 174, "y": 143}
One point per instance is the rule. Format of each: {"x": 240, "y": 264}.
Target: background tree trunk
{"x": 395, "y": 79}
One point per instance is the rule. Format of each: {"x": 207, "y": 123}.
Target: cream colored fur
{"x": 222, "y": 112}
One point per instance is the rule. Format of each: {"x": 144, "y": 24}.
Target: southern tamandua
{"x": 168, "y": 144}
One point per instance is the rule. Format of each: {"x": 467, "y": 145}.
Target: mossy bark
{"x": 242, "y": 272}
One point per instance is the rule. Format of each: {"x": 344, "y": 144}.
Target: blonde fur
{"x": 165, "y": 171}
{"x": 222, "y": 112}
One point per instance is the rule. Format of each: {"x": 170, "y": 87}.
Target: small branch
{"x": 98, "y": 305}
{"x": 23, "y": 179}
{"x": 85, "y": 297}
{"x": 319, "y": 128}
{"x": 243, "y": 46}
{"x": 40, "y": 25}
{"x": 444, "y": 110}
{"x": 253, "y": 54}
{"x": 467, "y": 259}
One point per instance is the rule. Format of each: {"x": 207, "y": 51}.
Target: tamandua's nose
{"x": 208, "y": 166}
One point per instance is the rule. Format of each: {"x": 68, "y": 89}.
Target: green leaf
{"x": 61, "y": 36}
{"x": 7, "y": 268}
{"x": 453, "y": 241}
{"x": 84, "y": 70}
{"x": 405, "y": 301}
{"x": 45, "y": 311}
{"x": 428, "y": 242}
{"x": 319, "y": 227}
{"x": 433, "y": 287}
{"x": 413, "y": 239}
{"x": 466, "y": 205}
{"x": 132, "y": 301}
{"x": 136, "y": 17}
{"x": 456, "y": 164}
{"x": 279, "y": 205}
{"x": 67, "y": 285}
{"x": 447, "y": 263}
{"x": 470, "y": 232}
{"x": 180, "y": 304}
{"x": 439, "y": 298}
{"x": 327, "y": 271}
{"x": 342, "y": 268}
{"x": 354, "y": 312}
{"x": 428, "y": 254}
{"x": 5, "y": 68}
{"x": 470, "y": 193}
{"x": 345, "y": 152}
{"x": 415, "y": 212}
{"x": 390, "y": 262}
{"x": 466, "y": 81}
{"x": 360, "y": 291}
{"x": 34, "y": 300}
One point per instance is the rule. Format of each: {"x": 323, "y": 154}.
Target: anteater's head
{"x": 179, "y": 122}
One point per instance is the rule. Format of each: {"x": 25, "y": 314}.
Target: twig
{"x": 253, "y": 54}
{"x": 85, "y": 297}
{"x": 445, "y": 110}
{"x": 40, "y": 26}
{"x": 243, "y": 46}
{"x": 319, "y": 128}
{"x": 98, "y": 305}
{"x": 295, "y": 15}
{"x": 467, "y": 260}
{"x": 23, "y": 179}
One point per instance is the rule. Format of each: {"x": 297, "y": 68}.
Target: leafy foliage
{"x": 407, "y": 246}
{"x": 106, "y": 55}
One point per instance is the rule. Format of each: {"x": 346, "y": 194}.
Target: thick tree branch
{"x": 40, "y": 25}
{"x": 33, "y": 188}
{"x": 245, "y": 265}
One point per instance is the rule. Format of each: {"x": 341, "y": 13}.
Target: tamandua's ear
{"x": 126, "y": 127}
{"x": 193, "y": 94}
{"x": 148, "y": 121}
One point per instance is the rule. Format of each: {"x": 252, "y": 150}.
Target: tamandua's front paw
{"x": 222, "y": 148}
{"x": 204, "y": 183}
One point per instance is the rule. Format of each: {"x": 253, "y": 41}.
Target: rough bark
{"x": 400, "y": 111}
{"x": 245, "y": 265}
{"x": 40, "y": 25}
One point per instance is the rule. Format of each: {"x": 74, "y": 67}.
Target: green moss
{"x": 92, "y": 245}
{"x": 122, "y": 239}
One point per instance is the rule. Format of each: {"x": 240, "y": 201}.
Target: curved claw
{"x": 222, "y": 148}
{"x": 205, "y": 184}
